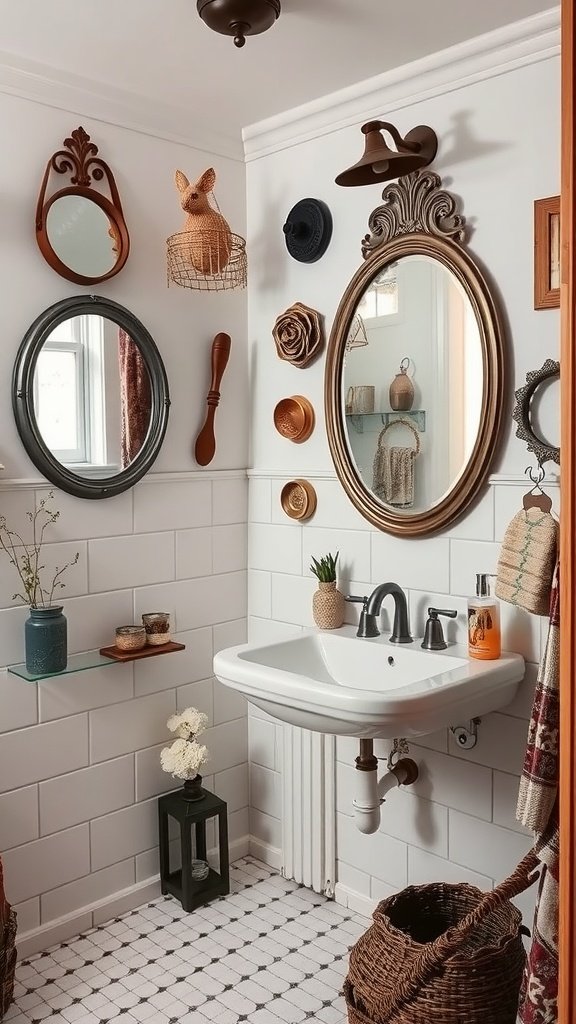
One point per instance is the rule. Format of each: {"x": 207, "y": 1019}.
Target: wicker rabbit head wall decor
{"x": 205, "y": 254}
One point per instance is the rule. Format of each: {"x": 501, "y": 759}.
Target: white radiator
{"x": 309, "y": 809}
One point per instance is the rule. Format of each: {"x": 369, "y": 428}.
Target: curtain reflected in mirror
{"x": 92, "y": 396}
{"x": 134, "y": 397}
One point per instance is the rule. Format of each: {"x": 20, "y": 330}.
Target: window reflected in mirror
{"x": 92, "y": 396}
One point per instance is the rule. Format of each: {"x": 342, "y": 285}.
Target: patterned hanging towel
{"x": 393, "y": 469}
{"x": 538, "y": 810}
{"x": 527, "y": 560}
{"x": 7, "y": 949}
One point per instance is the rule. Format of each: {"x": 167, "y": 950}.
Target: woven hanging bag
{"x": 7, "y": 950}
{"x": 441, "y": 954}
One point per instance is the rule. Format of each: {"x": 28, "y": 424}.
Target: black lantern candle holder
{"x": 192, "y": 816}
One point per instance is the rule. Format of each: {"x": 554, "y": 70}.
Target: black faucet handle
{"x": 367, "y": 626}
{"x": 433, "y": 634}
{"x": 435, "y": 612}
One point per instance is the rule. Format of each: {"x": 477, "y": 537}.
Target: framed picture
{"x": 547, "y": 253}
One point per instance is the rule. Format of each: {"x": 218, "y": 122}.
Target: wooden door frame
{"x": 567, "y": 987}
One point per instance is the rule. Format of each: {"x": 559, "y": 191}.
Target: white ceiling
{"x": 160, "y": 49}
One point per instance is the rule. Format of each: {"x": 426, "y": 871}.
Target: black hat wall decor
{"x": 308, "y": 230}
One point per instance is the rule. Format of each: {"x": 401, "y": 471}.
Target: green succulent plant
{"x": 325, "y": 569}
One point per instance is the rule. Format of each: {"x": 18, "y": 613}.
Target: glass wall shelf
{"x": 97, "y": 659}
{"x": 372, "y": 422}
{"x": 76, "y": 663}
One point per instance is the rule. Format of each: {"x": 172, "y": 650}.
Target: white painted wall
{"x": 458, "y": 822}
{"x": 79, "y": 771}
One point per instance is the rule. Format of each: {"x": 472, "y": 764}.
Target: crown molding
{"x": 487, "y": 56}
{"x": 98, "y": 101}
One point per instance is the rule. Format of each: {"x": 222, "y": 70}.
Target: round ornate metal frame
{"x": 522, "y": 412}
{"x": 23, "y": 397}
{"x": 418, "y": 218}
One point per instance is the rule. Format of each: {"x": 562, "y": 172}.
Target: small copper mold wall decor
{"x": 298, "y": 499}
{"x": 294, "y": 418}
{"x": 81, "y": 232}
{"x": 299, "y": 335}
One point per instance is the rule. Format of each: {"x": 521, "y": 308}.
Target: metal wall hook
{"x": 529, "y": 471}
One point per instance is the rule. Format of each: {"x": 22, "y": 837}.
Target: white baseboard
{"x": 268, "y": 854}
{"x": 346, "y": 897}
{"x": 52, "y": 932}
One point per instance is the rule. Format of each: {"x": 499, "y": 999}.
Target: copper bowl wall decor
{"x": 294, "y": 418}
{"x": 298, "y": 499}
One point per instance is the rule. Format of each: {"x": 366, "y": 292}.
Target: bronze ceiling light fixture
{"x": 380, "y": 163}
{"x": 239, "y": 18}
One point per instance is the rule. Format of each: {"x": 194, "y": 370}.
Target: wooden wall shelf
{"x": 145, "y": 652}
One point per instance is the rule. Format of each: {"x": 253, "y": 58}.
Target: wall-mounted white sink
{"x": 337, "y": 683}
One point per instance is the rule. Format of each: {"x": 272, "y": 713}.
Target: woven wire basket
{"x": 441, "y": 954}
{"x": 208, "y": 260}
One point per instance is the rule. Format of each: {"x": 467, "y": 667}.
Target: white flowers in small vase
{"x": 184, "y": 757}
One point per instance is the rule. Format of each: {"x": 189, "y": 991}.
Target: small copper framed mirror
{"x": 80, "y": 230}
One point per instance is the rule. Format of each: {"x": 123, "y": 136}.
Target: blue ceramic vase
{"x": 45, "y": 637}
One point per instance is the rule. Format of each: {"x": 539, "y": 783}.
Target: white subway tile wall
{"x": 457, "y": 823}
{"x": 79, "y": 755}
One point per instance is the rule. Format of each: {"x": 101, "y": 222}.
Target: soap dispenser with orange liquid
{"x": 484, "y": 638}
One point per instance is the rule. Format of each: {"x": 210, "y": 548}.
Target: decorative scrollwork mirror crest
{"x": 81, "y": 232}
{"x": 414, "y": 203}
{"x": 522, "y": 413}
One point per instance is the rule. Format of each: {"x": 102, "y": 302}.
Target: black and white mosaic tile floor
{"x": 272, "y": 952}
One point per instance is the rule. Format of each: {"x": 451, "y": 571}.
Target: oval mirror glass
{"x": 82, "y": 236}
{"x": 412, "y": 384}
{"x": 90, "y": 396}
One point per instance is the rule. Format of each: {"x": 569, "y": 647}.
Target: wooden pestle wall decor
{"x": 205, "y": 447}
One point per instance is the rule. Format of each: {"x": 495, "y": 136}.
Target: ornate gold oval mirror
{"x": 81, "y": 232}
{"x": 415, "y": 370}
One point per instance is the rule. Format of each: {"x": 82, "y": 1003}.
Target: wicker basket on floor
{"x": 7, "y": 950}
{"x": 441, "y": 954}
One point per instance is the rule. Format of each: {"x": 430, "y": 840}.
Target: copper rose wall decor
{"x": 299, "y": 335}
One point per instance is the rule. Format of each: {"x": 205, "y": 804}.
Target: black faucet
{"x": 368, "y": 625}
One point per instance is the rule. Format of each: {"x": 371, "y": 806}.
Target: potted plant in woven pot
{"x": 328, "y": 602}
{"x": 45, "y": 630}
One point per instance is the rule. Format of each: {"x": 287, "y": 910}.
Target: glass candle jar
{"x": 130, "y": 638}
{"x": 199, "y": 870}
{"x": 157, "y": 626}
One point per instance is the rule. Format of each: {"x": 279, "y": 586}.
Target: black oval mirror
{"x": 90, "y": 396}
